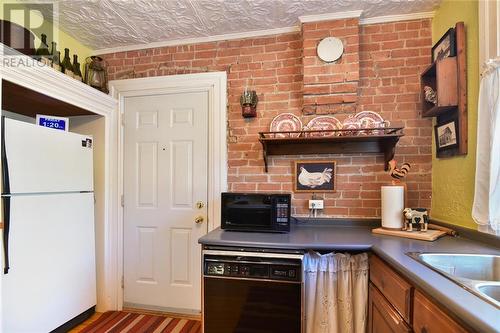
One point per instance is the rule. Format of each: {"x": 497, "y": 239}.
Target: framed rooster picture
{"x": 314, "y": 176}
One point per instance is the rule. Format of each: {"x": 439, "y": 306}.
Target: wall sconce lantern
{"x": 248, "y": 102}
{"x": 95, "y": 73}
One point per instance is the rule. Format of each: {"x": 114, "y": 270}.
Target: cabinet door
{"x": 397, "y": 291}
{"x": 429, "y": 318}
{"x": 382, "y": 318}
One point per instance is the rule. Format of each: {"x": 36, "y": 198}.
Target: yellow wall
{"x": 453, "y": 178}
{"x": 74, "y": 46}
{"x": 63, "y": 40}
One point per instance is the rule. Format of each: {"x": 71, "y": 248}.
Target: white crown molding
{"x": 268, "y": 32}
{"x": 394, "y": 18}
{"x": 27, "y": 72}
{"x": 198, "y": 40}
{"x": 330, "y": 16}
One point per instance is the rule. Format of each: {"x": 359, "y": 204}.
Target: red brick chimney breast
{"x": 331, "y": 87}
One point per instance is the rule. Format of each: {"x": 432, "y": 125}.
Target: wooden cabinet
{"x": 395, "y": 306}
{"x": 448, "y": 78}
{"x": 429, "y": 318}
{"x": 383, "y": 318}
{"x": 397, "y": 291}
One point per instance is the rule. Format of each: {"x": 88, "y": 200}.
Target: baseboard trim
{"x": 66, "y": 327}
{"x": 160, "y": 310}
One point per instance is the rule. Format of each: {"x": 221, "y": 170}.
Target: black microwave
{"x": 263, "y": 212}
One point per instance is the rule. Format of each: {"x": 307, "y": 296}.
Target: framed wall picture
{"x": 445, "y": 47}
{"x": 314, "y": 176}
{"x": 446, "y": 135}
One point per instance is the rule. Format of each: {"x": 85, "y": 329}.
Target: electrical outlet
{"x": 315, "y": 204}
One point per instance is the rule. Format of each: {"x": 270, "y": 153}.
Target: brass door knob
{"x": 199, "y": 219}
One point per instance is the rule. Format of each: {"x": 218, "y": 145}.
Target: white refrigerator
{"x": 49, "y": 274}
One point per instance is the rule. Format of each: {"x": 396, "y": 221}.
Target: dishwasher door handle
{"x": 246, "y": 255}
{"x": 249, "y": 259}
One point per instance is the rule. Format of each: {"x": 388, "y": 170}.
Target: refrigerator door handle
{"x": 6, "y": 227}
{"x": 5, "y": 164}
{"x": 6, "y": 200}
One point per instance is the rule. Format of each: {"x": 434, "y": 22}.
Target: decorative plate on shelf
{"x": 323, "y": 123}
{"x": 285, "y": 122}
{"x": 353, "y": 123}
{"x": 370, "y": 119}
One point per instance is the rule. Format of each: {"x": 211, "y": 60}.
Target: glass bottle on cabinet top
{"x": 56, "y": 57}
{"x": 42, "y": 52}
{"x": 77, "y": 73}
{"x": 66, "y": 66}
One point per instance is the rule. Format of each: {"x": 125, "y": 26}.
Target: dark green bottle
{"x": 56, "y": 57}
{"x": 66, "y": 66}
{"x": 77, "y": 73}
{"x": 42, "y": 52}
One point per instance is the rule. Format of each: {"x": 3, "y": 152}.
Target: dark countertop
{"x": 480, "y": 315}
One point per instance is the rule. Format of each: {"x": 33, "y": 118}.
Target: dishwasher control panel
{"x": 267, "y": 270}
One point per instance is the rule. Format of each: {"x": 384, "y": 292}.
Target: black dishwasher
{"x": 252, "y": 292}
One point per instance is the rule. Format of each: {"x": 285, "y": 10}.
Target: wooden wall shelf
{"x": 301, "y": 143}
{"x": 442, "y": 77}
{"x": 448, "y": 77}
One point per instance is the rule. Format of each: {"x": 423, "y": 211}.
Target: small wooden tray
{"x": 429, "y": 235}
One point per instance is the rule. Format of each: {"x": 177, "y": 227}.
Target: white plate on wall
{"x": 330, "y": 49}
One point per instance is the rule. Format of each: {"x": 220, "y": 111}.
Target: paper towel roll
{"x": 392, "y": 206}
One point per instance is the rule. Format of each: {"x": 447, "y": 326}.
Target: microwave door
{"x": 248, "y": 206}
{"x": 249, "y": 217}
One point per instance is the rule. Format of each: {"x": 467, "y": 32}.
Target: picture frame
{"x": 315, "y": 176}
{"x": 446, "y": 135}
{"x": 445, "y": 47}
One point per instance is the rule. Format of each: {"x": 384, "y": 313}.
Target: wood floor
{"x": 86, "y": 323}
{"x": 96, "y": 315}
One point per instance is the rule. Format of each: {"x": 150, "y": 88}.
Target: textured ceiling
{"x": 113, "y": 23}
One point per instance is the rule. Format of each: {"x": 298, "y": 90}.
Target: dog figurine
{"x": 416, "y": 216}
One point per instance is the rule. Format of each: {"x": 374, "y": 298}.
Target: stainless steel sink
{"x": 478, "y": 273}
{"x": 467, "y": 266}
{"x": 491, "y": 290}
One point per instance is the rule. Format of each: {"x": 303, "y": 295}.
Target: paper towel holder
{"x": 393, "y": 203}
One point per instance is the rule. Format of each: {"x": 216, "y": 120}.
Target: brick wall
{"x": 391, "y": 56}
{"x": 331, "y": 87}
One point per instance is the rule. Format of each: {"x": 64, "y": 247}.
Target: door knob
{"x": 200, "y": 204}
{"x": 199, "y": 219}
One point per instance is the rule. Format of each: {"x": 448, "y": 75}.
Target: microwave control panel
{"x": 282, "y": 213}
{"x": 282, "y": 210}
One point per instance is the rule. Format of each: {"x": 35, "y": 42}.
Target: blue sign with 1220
{"x": 58, "y": 123}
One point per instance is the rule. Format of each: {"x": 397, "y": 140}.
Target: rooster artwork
{"x": 398, "y": 173}
{"x": 314, "y": 176}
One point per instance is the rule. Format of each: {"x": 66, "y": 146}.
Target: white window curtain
{"x": 486, "y": 207}
{"x": 336, "y": 293}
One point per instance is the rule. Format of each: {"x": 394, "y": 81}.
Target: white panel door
{"x": 52, "y": 276}
{"x": 165, "y": 179}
